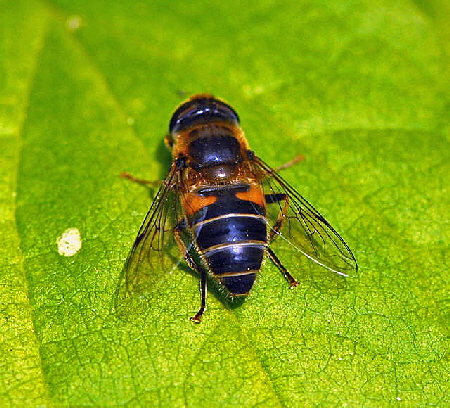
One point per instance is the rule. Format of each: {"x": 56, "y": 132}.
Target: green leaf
{"x": 361, "y": 88}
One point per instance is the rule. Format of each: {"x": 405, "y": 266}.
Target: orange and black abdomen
{"x": 226, "y": 210}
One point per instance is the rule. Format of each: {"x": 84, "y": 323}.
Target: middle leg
{"x": 193, "y": 265}
{"x": 276, "y": 198}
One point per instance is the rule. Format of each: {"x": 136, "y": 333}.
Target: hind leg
{"x": 292, "y": 282}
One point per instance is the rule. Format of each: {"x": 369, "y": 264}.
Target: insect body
{"x": 214, "y": 204}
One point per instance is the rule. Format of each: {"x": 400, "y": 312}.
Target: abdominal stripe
{"x": 199, "y": 224}
{"x": 231, "y": 230}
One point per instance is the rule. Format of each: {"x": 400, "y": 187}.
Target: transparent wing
{"x": 301, "y": 225}
{"x": 155, "y": 251}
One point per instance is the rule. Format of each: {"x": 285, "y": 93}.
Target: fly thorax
{"x": 220, "y": 173}
{"x": 214, "y": 151}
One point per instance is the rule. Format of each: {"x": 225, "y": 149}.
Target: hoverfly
{"x": 214, "y": 209}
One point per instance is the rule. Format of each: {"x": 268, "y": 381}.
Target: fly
{"x": 221, "y": 208}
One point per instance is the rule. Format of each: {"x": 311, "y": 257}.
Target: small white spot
{"x": 73, "y": 23}
{"x": 69, "y": 243}
{"x": 398, "y": 399}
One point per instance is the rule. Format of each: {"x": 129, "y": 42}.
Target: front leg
{"x": 141, "y": 181}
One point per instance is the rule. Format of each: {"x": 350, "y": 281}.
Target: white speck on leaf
{"x": 74, "y": 23}
{"x": 69, "y": 243}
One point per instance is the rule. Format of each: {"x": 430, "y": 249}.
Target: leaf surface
{"x": 359, "y": 88}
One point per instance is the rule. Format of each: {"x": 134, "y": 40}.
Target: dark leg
{"x": 204, "y": 291}
{"x": 193, "y": 265}
{"x": 276, "y": 198}
{"x": 292, "y": 282}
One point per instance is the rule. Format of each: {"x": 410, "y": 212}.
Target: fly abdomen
{"x": 236, "y": 265}
{"x": 231, "y": 234}
{"x": 230, "y": 228}
{"x": 233, "y": 246}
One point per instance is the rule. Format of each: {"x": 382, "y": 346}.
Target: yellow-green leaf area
{"x": 360, "y": 88}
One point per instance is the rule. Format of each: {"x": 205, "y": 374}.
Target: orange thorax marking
{"x": 254, "y": 194}
{"x": 193, "y": 202}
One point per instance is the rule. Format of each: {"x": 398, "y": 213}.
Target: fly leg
{"x": 276, "y": 198}
{"x": 292, "y": 282}
{"x": 140, "y": 181}
{"x": 203, "y": 288}
{"x": 177, "y": 165}
{"x": 296, "y": 160}
{"x": 193, "y": 265}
